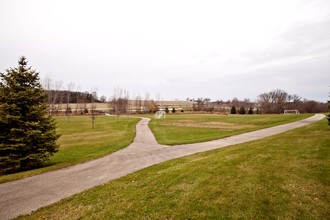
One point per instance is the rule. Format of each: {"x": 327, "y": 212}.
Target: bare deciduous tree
{"x": 119, "y": 102}
{"x": 200, "y": 105}
{"x": 53, "y": 89}
{"x": 93, "y": 107}
{"x": 146, "y": 102}
{"x": 78, "y": 99}
{"x": 103, "y": 98}
{"x": 235, "y": 102}
{"x": 48, "y": 86}
{"x": 57, "y": 97}
{"x": 138, "y": 104}
{"x": 68, "y": 110}
{"x": 273, "y": 101}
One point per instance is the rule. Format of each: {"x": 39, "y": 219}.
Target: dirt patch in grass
{"x": 217, "y": 125}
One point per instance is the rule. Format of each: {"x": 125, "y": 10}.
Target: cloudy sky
{"x": 176, "y": 49}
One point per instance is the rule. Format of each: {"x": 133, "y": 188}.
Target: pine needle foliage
{"x": 233, "y": 110}
{"x": 27, "y": 135}
{"x": 242, "y": 110}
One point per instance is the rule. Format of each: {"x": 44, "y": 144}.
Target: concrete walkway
{"x": 29, "y": 194}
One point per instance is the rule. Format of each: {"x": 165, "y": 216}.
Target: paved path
{"x": 26, "y": 195}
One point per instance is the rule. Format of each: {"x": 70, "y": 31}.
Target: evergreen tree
{"x": 27, "y": 135}
{"x": 173, "y": 110}
{"x": 233, "y": 110}
{"x": 167, "y": 110}
{"x": 242, "y": 110}
{"x": 329, "y": 114}
{"x": 250, "y": 111}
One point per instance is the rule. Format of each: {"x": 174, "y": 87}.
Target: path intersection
{"x": 28, "y": 194}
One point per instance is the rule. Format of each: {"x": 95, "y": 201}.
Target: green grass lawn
{"x": 192, "y": 128}
{"x": 80, "y": 143}
{"x": 286, "y": 176}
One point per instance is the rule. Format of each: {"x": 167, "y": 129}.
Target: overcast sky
{"x": 178, "y": 49}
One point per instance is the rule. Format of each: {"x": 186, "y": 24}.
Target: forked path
{"x": 26, "y": 195}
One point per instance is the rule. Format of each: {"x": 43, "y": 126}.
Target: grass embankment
{"x": 80, "y": 143}
{"x": 286, "y": 176}
{"x": 184, "y": 129}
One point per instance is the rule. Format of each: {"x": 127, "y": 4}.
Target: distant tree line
{"x": 273, "y": 102}
{"x": 59, "y": 98}
{"x": 276, "y": 101}
{"x": 231, "y": 106}
{"x": 64, "y": 96}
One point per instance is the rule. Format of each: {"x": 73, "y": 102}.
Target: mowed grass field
{"x": 80, "y": 143}
{"x": 192, "y": 128}
{"x": 286, "y": 176}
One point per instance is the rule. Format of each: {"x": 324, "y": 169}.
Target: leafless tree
{"x": 208, "y": 106}
{"x": 158, "y": 97}
{"x": 103, "y": 98}
{"x": 235, "y": 102}
{"x": 93, "y": 107}
{"x": 48, "y": 86}
{"x": 119, "y": 102}
{"x": 58, "y": 96}
{"x": 138, "y": 104}
{"x": 53, "y": 89}
{"x": 311, "y": 106}
{"x": 84, "y": 101}
{"x": 294, "y": 102}
{"x": 273, "y": 101}
{"x": 78, "y": 99}
{"x": 200, "y": 105}
{"x": 68, "y": 110}
{"x": 146, "y": 102}
{"x": 246, "y": 103}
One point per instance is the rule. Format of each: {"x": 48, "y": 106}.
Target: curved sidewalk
{"x": 26, "y": 195}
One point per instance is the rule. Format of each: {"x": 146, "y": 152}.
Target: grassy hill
{"x": 286, "y": 176}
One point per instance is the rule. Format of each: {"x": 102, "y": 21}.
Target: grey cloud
{"x": 300, "y": 40}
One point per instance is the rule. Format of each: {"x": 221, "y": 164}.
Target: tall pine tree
{"x": 27, "y": 135}
{"x": 233, "y": 110}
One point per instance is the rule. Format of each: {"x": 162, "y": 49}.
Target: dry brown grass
{"x": 196, "y": 124}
